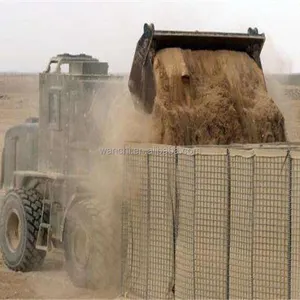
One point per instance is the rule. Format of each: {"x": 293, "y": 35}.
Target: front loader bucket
{"x": 141, "y": 79}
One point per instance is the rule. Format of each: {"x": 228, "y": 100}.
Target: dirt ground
{"x": 49, "y": 283}
{"x": 18, "y": 101}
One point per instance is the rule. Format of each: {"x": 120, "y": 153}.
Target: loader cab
{"x": 60, "y": 138}
{"x": 81, "y": 64}
{"x": 67, "y": 89}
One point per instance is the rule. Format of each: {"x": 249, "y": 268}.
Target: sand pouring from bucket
{"x": 141, "y": 79}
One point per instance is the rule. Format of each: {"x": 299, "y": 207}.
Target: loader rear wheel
{"x": 19, "y": 224}
{"x": 88, "y": 247}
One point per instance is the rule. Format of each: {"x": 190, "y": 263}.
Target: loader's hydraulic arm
{"x": 141, "y": 80}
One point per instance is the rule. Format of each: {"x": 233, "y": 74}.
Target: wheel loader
{"x": 45, "y": 162}
{"x": 45, "y": 203}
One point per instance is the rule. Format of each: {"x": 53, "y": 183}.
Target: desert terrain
{"x": 18, "y": 101}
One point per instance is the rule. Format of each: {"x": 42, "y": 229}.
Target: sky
{"x": 31, "y": 32}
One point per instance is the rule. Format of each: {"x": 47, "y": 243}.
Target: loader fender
{"x": 28, "y": 178}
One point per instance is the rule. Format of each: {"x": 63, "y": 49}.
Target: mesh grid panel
{"x": 201, "y": 245}
{"x": 148, "y": 223}
{"x": 271, "y": 228}
{"x": 160, "y": 233}
{"x": 135, "y": 231}
{"x": 185, "y": 252}
{"x": 241, "y": 225}
{"x": 295, "y": 228}
{"x": 211, "y": 227}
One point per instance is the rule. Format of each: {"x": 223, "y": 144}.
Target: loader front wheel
{"x": 88, "y": 247}
{"x": 19, "y": 224}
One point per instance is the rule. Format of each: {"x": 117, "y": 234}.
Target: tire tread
{"x": 103, "y": 247}
{"x": 32, "y": 203}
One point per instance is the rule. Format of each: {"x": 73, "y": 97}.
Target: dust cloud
{"x": 276, "y": 62}
{"x": 117, "y": 122}
{"x": 120, "y": 123}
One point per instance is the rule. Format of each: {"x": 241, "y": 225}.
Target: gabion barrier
{"x": 211, "y": 223}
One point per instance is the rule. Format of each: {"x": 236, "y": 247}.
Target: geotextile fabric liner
{"x": 212, "y": 97}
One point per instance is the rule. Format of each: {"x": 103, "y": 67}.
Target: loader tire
{"x": 19, "y": 224}
{"x": 85, "y": 232}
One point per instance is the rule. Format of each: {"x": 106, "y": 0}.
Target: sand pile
{"x": 212, "y": 97}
